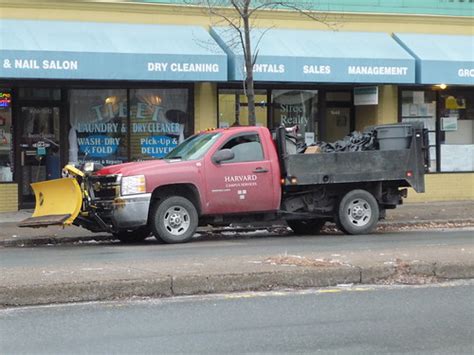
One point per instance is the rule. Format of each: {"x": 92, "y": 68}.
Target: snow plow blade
{"x": 58, "y": 202}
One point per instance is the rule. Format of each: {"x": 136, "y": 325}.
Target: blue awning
{"x": 441, "y": 59}
{"x": 286, "y": 55}
{"x": 108, "y": 51}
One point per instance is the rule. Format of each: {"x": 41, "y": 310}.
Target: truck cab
{"x": 220, "y": 172}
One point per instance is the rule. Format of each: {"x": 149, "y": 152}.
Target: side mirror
{"x": 223, "y": 155}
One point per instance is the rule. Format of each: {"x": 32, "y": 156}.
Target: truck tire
{"x": 135, "y": 236}
{"x": 358, "y": 212}
{"x": 306, "y": 226}
{"x": 174, "y": 220}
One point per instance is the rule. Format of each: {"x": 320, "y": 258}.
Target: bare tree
{"x": 241, "y": 16}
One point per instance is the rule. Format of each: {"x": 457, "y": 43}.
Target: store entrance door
{"x": 338, "y": 120}
{"x": 39, "y": 153}
{"x": 338, "y": 123}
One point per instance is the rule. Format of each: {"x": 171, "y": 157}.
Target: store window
{"x": 449, "y": 117}
{"x": 420, "y": 106}
{"x": 159, "y": 121}
{"x": 6, "y": 167}
{"x": 297, "y": 108}
{"x": 98, "y": 126}
{"x": 456, "y": 130}
{"x": 233, "y": 108}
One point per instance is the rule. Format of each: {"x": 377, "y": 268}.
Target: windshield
{"x": 194, "y": 147}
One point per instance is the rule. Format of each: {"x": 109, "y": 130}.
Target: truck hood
{"x": 134, "y": 168}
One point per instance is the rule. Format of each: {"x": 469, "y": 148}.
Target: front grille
{"x": 103, "y": 187}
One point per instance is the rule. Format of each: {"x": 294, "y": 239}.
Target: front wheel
{"x": 308, "y": 227}
{"x": 174, "y": 220}
{"x": 358, "y": 212}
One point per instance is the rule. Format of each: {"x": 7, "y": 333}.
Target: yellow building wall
{"x": 8, "y": 197}
{"x": 384, "y": 113}
{"x": 128, "y": 12}
{"x": 445, "y": 187}
{"x": 366, "y": 115}
{"x": 205, "y": 106}
{"x": 387, "y": 110}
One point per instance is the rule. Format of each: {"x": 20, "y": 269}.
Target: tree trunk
{"x": 249, "y": 74}
{"x": 251, "y": 100}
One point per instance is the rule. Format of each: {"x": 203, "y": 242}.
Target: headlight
{"x": 89, "y": 167}
{"x": 133, "y": 185}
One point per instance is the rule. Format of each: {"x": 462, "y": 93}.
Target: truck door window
{"x": 245, "y": 147}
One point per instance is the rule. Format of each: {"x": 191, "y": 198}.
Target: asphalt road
{"x": 253, "y": 244}
{"x": 429, "y": 319}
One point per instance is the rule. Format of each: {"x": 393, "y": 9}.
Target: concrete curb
{"x": 454, "y": 270}
{"x": 167, "y": 286}
{"x": 83, "y": 292}
{"x": 304, "y": 278}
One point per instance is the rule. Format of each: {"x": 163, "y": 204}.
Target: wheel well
{"x": 375, "y": 188}
{"x": 188, "y": 191}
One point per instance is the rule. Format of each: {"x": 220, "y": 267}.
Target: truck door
{"x": 244, "y": 183}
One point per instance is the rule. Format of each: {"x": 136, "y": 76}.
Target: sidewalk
{"x": 433, "y": 215}
{"x": 198, "y": 273}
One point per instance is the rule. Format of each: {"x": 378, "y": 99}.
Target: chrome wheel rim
{"x": 359, "y": 212}
{"x": 177, "y": 220}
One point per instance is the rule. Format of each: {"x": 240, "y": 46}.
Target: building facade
{"x": 117, "y": 82}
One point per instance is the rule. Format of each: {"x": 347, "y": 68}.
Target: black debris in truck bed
{"x": 354, "y": 142}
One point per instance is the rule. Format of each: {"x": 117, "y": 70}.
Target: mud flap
{"x": 58, "y": 202}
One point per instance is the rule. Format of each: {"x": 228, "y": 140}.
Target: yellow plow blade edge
{"x": 58, "y": 202}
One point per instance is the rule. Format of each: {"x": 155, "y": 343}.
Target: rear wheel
{"x": 135, "y": 236}
{"x": 358, "y": 212}
{"x": 174, "y": 220}
{"x": 308, "y": 227}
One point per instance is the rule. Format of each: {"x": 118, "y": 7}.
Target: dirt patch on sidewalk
{"x": 296, "y": 260}
{"x": 405, "y": 275}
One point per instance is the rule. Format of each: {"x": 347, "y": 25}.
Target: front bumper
{"x": 109, "y": 211}
{"x": 130, "y": 211}
{"x": 125, "y": 212}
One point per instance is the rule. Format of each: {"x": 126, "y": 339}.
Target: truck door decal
{"x": 242, "y": 194}
{"x": 243, "y": 183}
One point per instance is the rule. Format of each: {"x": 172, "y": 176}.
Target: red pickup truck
{"x": 245, "y": 174}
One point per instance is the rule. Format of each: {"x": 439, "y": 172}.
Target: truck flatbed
{"x": 361, "y": 166}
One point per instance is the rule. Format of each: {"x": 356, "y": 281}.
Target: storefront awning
{"x": 441, "y": 59}
{"x": 320, "y": 56}
{"x": 108, "y": 51}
